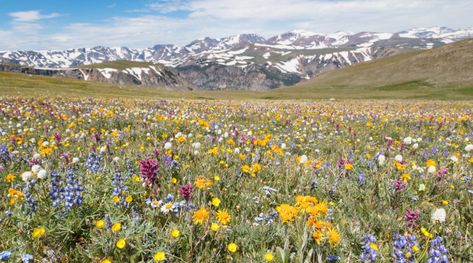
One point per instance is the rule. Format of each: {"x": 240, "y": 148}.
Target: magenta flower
{"x": 399, "y": 185}
{"x": 411, "y": 217}
{"x": 186, "y": 191}
{"x": 149, "y": 170}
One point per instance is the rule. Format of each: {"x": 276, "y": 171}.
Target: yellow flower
{"x": 268, "y": 257}
{"x": 216, "y": 178}
{"x": 223, "y": 217}
{"x": 129, "y": 199}
{"x": 159, "y": 256}
{"x": 256, "y": 167}
{"x": 107, "y": 260}
{"x": 246, "y": 169}
{"x": 374, "y": 246}
{"x": 116, "y": 199}
{"x": 430, "y": 163}
{"x": 116, "y": 227}
{"x": 287, "y": 213}
{"x": 213, "y": 151}
{"x": 175, "y": 233}
{"x": 38, "y": 232}
{"x": 333, "y": 236}
{"x": 425, "y": 232}
{"x": 415, "y": 248}
{"x": 100, "y": 224}
{"x": 10, "y": 178}
{"x": 200, "y": 216}
{"x": 318, "y": 235}
{"x": 214, "y": 227}
{"x": 215, "y": 201}
{"x": 348, "y": 166}
{"x": 444, "y": 202}
{"x": 202, "y": 183}
{"x": 232, "y": 247}
{"x": 174, "y": 180}
{"x": 136, "y": 179}
{"x": 406, "y": 177}
{"x": 121, "y": 243}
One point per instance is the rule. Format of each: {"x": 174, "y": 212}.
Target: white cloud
{"x": 30, "y": 16}
{"x": 169, "y": 6}
{"x": 217, "y": 18}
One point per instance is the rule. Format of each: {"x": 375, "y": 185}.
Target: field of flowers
{"x": 90, "y": 180}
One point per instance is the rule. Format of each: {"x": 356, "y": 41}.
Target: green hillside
{"x": 445, "y": 72}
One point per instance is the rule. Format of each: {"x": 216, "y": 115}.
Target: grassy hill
{"x": 119, "y": 64}
{"x": 445, "y": 73}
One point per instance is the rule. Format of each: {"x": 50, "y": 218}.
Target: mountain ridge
{"x": 295, "y": 55}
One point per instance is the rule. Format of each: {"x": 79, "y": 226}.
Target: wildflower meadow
{"x": 119, "y": 180}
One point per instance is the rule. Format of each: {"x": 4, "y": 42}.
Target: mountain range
{"x": 245, "y": 61}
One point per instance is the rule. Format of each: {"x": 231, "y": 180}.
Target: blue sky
{"x": 61, "y": 24}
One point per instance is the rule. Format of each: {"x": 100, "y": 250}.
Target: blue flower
{"x": 369, "y": 254}
{"x": 438, "y": 252}
{"x": 26, "y": 258}
{"x": 5, "y": 255}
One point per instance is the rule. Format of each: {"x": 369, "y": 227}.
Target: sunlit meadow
{"x": 89, "y": 180}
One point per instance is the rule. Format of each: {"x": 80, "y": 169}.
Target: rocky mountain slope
{"x": 249, "y": 61}
{"x": 117, "y": 72}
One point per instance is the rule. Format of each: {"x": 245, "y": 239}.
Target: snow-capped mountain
{"x": 230, "y": 62}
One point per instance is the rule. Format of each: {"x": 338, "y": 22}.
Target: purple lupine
{"x": 403, "y": 248}
{"x": 370, "y": 252}
{"x": 149, "y": 170}
{"x": 361, "y": 179}
{"x": 57, "y": 137}
{"x": 438, "y": 252}
{"x": 186, "y": 191}
{"x": 4, "y": 153}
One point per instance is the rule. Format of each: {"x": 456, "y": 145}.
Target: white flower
{"x": 283, "y": 146}
{"x": 166, "y": 208}
{"x": 46, "y": 143}
{"x": 421, "y": 187}
{"x": 26, "y": 176}
{"x": 116, "y": 159}
{"x": 237, "y": 150}
{"x": 35, "y": 169}
{"x": 103, "y": 149}
{"x": 75, "y": 160}
{"x": 196, "y": 152}
{"x": 155, "y": 203}
{"x": 407, "y": 140}
{"x": 381, "y": 159}
{"x": 398, "y": 158}
{"x": 431, "y": 169}
{"x": 469, "y": 147}
{"x": 303, "y": 159}
{"x": 42, "y": 174}
{"x": 168, "y": 145}
{"x": 36, "y": 155}
{"x": 454, "y": 159}
{"x": 415, "y": 146}
{"x": 439, "y": 215}
{"x": 196, "y": 145}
